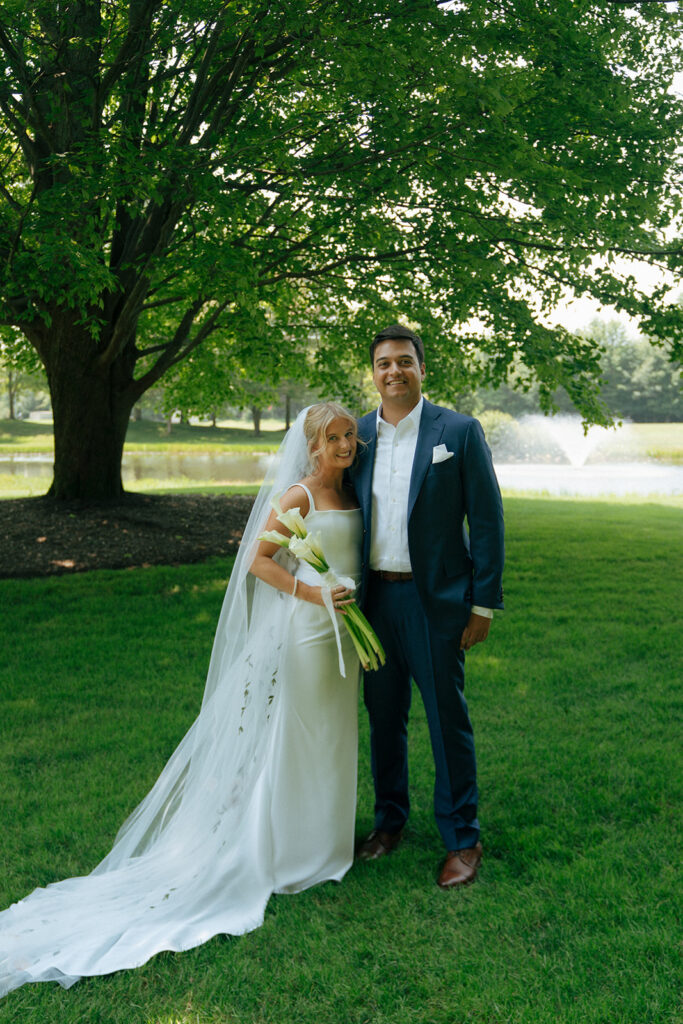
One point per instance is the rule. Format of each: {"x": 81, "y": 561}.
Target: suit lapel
{"x": 429, "y": 434}
{"x": 363, "y": 479}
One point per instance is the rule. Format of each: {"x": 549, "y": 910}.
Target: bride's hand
{"x": 341, "y": 596}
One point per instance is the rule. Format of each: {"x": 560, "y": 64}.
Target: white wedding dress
{"x": 259, "y": 797}
{"x": 310, "y": 781}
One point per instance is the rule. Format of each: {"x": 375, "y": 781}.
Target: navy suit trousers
{"x": 436, "y": 663}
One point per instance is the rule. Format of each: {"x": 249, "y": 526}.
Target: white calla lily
{"x": 316, "y": 545}
{"x": 275, "y": 537}
{"x": 302, "y": 549}
{"x": 294, "y": 521}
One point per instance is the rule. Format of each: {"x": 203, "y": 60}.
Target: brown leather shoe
{"x": 378, "y": 844}
{"x": 460, "y": 867}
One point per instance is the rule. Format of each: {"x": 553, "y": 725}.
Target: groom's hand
{"x": 475, "y": 632}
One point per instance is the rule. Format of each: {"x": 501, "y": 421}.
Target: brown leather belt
{"x": 391, "y": 577}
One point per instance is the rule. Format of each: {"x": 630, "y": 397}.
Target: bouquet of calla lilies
{"x": 307, "y": 546}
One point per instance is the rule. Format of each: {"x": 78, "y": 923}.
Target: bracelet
{"x": 296, "y": 584}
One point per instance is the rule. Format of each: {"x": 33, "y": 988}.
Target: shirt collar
{"x": 412, "y": 420}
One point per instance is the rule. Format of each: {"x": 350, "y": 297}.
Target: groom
{"x": 429, "y": 589}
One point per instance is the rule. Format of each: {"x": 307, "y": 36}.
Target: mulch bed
{"x": 41, "y": 537}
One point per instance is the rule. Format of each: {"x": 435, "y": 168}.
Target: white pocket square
{"x": 440, "y": 453}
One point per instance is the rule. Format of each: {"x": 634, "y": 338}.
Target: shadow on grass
{"x": 148, "y": 435}
{"x": 21, "y": 430}
{"x": 145, "y": 432}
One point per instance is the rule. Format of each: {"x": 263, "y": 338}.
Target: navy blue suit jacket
{"x": 453, "y": 566}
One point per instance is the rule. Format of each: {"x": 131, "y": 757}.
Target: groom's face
{"x": 396, "y": 372}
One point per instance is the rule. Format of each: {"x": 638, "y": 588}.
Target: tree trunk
{"x": 11, "y": 391}
{"x": 91, "y": 408}
{"x": 288, "y": 412}
{"x": 256, "y": 419}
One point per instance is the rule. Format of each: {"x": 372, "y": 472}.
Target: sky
{"x": 576, "y": 314}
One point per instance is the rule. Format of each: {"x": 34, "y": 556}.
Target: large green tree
{"x": 269, "y": 172}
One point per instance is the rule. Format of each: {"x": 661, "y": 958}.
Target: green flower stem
{"x": 368, "y": 632}
{"x": 368, "y": 657}
{"x": 363, "y": 657}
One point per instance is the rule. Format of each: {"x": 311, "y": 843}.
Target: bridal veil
{"x": 163, "y": 885}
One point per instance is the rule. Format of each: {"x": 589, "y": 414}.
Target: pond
{"x": 597, "y": 478}
{"x": 200, "y": 468}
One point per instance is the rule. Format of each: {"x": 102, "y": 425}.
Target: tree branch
{"x": 155, "y": 236}
{"x": 140, "y": 17}
{"x": 309, "y": 275}
{"x": 177, "y": 349}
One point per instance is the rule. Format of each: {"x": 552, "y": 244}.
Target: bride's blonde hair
{"x": 318, "y": 419}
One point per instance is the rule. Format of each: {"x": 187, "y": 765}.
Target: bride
{"x": 259, "y": 796}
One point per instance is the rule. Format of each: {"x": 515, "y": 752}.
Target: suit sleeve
{"x": 484, "y": 511}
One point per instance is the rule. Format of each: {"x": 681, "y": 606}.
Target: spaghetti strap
{"x": 307, "y": 492}
{"x": 310, "y": 496}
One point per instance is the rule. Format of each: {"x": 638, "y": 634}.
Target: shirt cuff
{"x": 486, "y": 613}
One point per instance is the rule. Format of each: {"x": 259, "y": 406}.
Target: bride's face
{"x": 338, "y": 445}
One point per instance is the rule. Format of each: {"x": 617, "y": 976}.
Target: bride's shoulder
{"x": 296, "y": 496}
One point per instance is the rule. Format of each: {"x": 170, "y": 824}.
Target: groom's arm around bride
{"x": 430, "y": 584}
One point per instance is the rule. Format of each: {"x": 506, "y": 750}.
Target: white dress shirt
{"x": 394, "y": 456}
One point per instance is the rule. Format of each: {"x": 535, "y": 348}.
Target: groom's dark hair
{"x": 400, "y": 333}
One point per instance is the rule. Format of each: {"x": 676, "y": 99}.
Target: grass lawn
{"x": 661, "y": 441}
{"x": 574, "y": 702}
{"x": 144, "y": 436}
{"x": 33, "y": 487}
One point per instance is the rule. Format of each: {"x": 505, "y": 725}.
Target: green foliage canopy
{"x": 267, "y": 174}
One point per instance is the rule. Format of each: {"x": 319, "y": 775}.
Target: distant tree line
{"x": 639, "y": 382}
